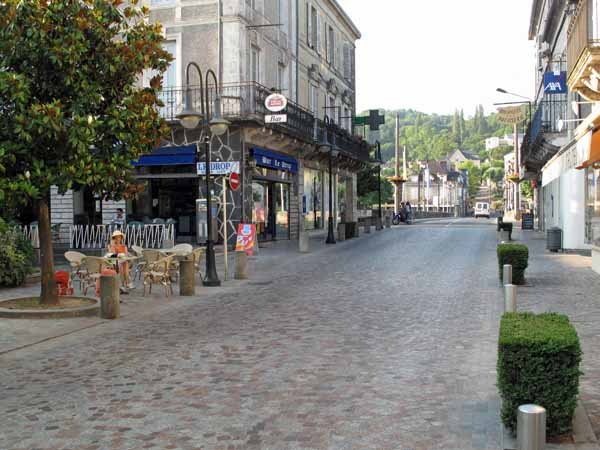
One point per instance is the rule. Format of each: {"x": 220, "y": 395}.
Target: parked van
{"x": 482, "y": 210}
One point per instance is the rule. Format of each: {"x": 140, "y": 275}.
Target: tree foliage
{"x": 433, "y": 136}
{"x": 72, "y": 113}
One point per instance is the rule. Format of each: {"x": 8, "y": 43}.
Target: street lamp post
{"x": 379, "y": 162}
{"x": 325, "y": 144}
{"x": 190, "y": 119}
{"x": 517, "y": 193}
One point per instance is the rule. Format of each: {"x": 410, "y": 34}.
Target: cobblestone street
{"x": 386, "y": 342}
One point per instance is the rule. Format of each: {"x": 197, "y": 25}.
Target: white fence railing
{"x": 98, "y": 236}
{"x": 31, "y": 233}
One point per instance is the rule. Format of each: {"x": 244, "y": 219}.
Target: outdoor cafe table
{"x": 115, "y": 260}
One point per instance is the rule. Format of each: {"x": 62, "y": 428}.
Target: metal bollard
{"x": 303, "y": 242}
{"x": 507, "y": 274}
{"x": 510, "y": 298}
{"x": 341, "y": 234}
{"x": 241, "y": 266}
{"x": 110, "y": 300}
{"x": 388, "y": 221}
{"x": 187, "y": 284}
{"x": 531, "y": 427}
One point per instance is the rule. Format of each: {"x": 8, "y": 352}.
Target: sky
{"x": 436, "y": 56}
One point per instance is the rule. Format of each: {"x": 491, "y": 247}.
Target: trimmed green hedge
{"x": 518, "y": 256}
{"x": 538, "y": 362}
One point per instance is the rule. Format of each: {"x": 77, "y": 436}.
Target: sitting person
{"x": 118, "y": 248}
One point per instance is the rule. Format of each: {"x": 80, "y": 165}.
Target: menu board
{"x": 527, "y": 222}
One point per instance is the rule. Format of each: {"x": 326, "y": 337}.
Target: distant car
{"x": 482, "y": 210}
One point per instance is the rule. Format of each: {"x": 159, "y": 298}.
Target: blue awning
{"x": 272, "y": 160}
{"x": 169, "y": 156}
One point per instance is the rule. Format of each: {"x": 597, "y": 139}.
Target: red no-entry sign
{"x": 234, "y": 181}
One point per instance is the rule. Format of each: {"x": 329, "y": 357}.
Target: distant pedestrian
{"x": 119, "y": 219}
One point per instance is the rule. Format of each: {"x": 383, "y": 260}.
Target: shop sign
{"x": 276, "y": 118}
{"x": 275, "y": 102}
{"x": 511, "y": 115}
{"x": 272, "y": 160}
{"x": 246, "y": 236}
{"x": 555, "y": 83}
{"x": 218, "y": 167}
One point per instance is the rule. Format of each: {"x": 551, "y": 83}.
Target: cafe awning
{"x": 169, "y": 156}
{"x": 591, "y": 149}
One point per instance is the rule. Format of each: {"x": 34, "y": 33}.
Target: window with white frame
{"x": 255, "y": 64}
{"x": 313, "y": 99}
{"x": 312, "y": 30}
{"x": 281, "y": 81}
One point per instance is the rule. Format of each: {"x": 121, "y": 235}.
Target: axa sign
{"x": 555, "y": 82}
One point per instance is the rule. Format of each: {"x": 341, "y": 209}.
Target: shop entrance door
{"x": 270, "y": 213}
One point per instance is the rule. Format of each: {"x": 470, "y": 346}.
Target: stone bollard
{"x": 367, "y": 226}
{"x": 510, "y": 298}
{"x": 241, "y": 266}
{"x": 303, "y": 242}
{"x": 388, "y": 221}
{"x": 110, "y": 306}
{"x": 341, "y": 234}
{"x": 187, "y": 278}
{"x": 531, "y": 427}
{"x": 507, "y": 274}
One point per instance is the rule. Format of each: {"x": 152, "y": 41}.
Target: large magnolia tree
{"x": 71, "y": 111}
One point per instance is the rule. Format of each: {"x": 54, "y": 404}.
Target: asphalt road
{"x": 386, "y": 342}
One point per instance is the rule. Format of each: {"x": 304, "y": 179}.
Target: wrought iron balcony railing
{"x": 246, "y": 102}
{"x": 544, "y": 123}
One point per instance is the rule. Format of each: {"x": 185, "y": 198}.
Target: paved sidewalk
{"x": 565, "y": 283}
{"x": 19, "y": 333}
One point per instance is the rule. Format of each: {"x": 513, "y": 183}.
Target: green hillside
{"x": 433, "y": 136}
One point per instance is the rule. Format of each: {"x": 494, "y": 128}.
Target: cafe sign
{"x": 275, "y": 103}
{"x": 510, "y": 115}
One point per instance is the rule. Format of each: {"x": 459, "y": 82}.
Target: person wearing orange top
{"x": 118, "y": 248}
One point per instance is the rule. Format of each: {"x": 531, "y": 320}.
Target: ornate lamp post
{"x": 190, "y": 119}
{"x": 326, "y": 146}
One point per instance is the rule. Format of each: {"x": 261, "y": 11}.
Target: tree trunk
{"x": 49, "y": 293}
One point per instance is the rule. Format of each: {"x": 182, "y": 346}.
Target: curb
{"x": 84, "y": 311}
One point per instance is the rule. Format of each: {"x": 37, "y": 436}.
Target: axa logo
{"x": 554, "y": 86}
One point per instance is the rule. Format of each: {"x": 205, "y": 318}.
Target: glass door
{"x": 261, "y": 209}
{"x": 281, "y": 197}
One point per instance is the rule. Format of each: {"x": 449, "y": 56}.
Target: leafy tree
{"x": 72, "y": 114}
{"x": 474, "y": 174}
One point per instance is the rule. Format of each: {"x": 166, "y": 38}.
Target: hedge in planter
{"x": 538, "y": 362}
{"x": 516, "y": 255}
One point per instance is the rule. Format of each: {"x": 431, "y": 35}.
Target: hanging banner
{"x": 246, "y": 235}
{"x": 510, "y": 115}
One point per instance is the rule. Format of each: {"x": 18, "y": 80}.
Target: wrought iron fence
{"x": 545, "y": 121}
{"x": 31, "y": 233}
{"x": 98, "y": 236}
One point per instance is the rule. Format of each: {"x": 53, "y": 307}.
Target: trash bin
{"x": 554, "y": 239}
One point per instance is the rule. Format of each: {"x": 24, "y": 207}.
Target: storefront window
{"x": 592, "y": 210}
{"x": 312, "y": 203}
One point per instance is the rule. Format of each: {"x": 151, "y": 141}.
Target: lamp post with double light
{"x": 190, "y": 119}
{"x": 329, "y": 147}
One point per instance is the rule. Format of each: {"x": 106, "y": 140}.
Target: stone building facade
{"x": 255, "y": 48}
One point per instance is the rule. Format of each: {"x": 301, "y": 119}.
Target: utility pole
{"x": 397, "y": 179}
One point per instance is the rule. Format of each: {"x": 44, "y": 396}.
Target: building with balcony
{"x": 255, "y": 48}
{"x": 546, "y": 157}
{"x": 584, "y": 82}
